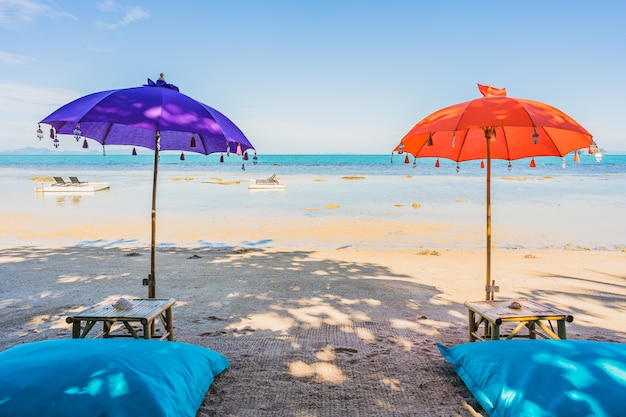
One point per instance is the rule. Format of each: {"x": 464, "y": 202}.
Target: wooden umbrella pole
{"x": 152, "y": 277}
{"x": 488, "y": 284}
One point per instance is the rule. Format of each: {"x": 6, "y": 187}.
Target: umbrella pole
{"x": 488, "y": 284}
{"x": 152, "y": 277}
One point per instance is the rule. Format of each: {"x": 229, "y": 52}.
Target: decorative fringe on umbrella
{"x": 576, "y": 157}
{"x": 193, "y": 141}
{"x": 134, "y": 151}
{"x": 222, "y": 158}
{"x": 85, "y": 144}
{"x": 482, "y": 164}
{"x": 239, "y": 149}
{"x": 437, "y": 163}
{"x": 406, "y": 159}
{"x": 532, "y": 163}
{"x": 182, "y": 156}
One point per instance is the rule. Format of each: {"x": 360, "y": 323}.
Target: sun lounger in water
{"x": 60, "y": 181}
{"x": 76, "y": 181}
{"x": 270, "y": 183}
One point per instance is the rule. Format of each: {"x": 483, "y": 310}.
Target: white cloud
{"x": 107, "y": 6}
{"x": 19, "y": 11}
{"x": 15, "y": 12}
{"x": 9, "y": 59}
{"x": 131, "y": 14}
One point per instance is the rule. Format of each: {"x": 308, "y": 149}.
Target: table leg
{"x": 106, "y": 328}
{"x": 169, "y": 324}
{"x": 495, "y": 331}
{"x": 472, "y": 325}
{"x": 561, "y": 329}
{"x": 76, "y": 329}
{"x": 147, "y": 329}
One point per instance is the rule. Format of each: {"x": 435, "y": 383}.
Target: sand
{"x": 341, "y": 330}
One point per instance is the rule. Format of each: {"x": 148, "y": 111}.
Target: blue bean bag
{"x": 543, "y": 378}
{"x": 106, "y": 377}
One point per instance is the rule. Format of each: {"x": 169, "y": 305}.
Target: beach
{"x": 329, "y": 298}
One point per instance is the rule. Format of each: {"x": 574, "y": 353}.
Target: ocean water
{"x": 553, "y": 204}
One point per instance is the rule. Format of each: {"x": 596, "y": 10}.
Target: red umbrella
{"x": 494, "y": 126}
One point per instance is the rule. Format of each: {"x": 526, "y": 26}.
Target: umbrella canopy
{"x": 494, "y": 126}
{"x": 155, "y": 116}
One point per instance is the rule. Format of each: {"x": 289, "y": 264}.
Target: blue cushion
{"x": 106, "y": 377}
{"x": 543, "y": 377}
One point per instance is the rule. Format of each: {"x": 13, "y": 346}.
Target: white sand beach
{"x": 338, "y": 316}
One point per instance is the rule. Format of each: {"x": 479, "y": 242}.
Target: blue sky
{"x": 323, "y": 76}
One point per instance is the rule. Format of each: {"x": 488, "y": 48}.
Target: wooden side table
{"x": 528, "y": 314}
{"x": 144, "y": 311}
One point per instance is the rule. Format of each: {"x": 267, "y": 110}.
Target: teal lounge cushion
{"x": 543, "y": 378}
{"x": 106, "y": 378}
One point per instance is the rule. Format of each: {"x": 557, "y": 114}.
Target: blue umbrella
{"x": 155, "y": 116}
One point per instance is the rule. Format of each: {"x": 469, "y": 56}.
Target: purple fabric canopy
{"x": 131, "y": 116}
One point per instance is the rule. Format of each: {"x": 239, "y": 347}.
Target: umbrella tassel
{"x": 430, "y": 140}
{"x": 482, "y": 164}
{"x": 437, "y": 163}
{"x": 52, "y": 133}
{"x": 414, "y": 162}
{"x": 532, "y": 163}
{"x": 182, "y": 156}
{"x": 458, "y": 167}
{"x": 406, "y": 159}
{"x": 192, "y": 144}
{"x": 222, "y": 158}
{"x": 85, "y": 144}
{"x": 134, "y": 151}
{"x": 239, "y": 149}
{"x": 245, "y": 156}
{"x": 576, "y": 157}
{"x": 255, "y": 159}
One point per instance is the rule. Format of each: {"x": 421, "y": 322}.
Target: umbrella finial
{"x": 489, "y": 91}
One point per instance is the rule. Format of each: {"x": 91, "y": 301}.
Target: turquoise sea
{"x": 554, "y": 204}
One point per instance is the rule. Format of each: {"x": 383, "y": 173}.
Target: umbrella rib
{"x": 463, "y": 142}
{"x": 201, "y": 139}
{"x": 106, "y": 134}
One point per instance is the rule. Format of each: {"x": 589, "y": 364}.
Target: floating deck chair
{"x": 75, "y": 181}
